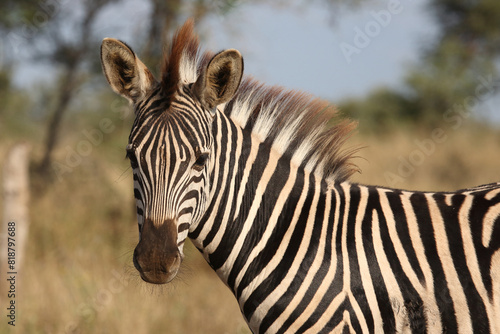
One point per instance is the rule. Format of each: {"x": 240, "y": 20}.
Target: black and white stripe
{"x": 162, "y": 148}
{"x": 305, "y": 255}
{"x": 259, "y": 183}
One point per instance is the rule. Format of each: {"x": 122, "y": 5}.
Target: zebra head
{"x": 171, "y": 143}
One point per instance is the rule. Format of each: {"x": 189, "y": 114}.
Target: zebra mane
{"x": 297, "y": 124}
{"x": 182, "y": 62}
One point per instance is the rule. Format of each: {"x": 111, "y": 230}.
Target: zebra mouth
{"x": 158, "y": 276}
{"x": 158, "y": 273}
{"x": 157, "y": 257}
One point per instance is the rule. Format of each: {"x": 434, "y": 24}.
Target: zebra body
{"x": 312, "y": 256}
{"x": 256, "y": 180}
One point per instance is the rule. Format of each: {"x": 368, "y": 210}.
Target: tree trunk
{"x": 16, "y": 193}
{"x": 53, "y": 129}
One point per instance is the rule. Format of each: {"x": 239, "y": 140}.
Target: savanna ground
{"x": 78, "y": 275}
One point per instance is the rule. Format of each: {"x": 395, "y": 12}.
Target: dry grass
{"x": 462, "y": 158}
{"x": 78, "y": 275}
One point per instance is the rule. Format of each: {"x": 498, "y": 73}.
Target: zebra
{"x": 258, "y": 178}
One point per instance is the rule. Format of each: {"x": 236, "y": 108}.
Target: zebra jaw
{"x": 157, "y": 257}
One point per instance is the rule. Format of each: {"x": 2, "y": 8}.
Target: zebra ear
{"x": 220, "y": 80}
{"x": 126, "y": 74}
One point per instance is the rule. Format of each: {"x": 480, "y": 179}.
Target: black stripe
{"x": 455, "y": 242}
{"x": 480, "y": 207}
{"x": 411, "y": 299}
{"x": 220, "y": 147}
{"x": 403, "y": 232}
{"x": 380, "y": 289}
{"x": 297, "y": 281}
{"x": 337, "y": 318}
{"x": 276, "y": 183}
{"x": 234, "y": 229}
{"x": 318, "y": 279}
{"x": 215, "y": 228}
{"x": 355, "y": 279}
{"x": 442, "y": 294}
{"x": 337, "y": 283}
{"x": 277, "y": 275}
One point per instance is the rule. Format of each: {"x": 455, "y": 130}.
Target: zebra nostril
{"x": 159, "y": 273}
{"x": 154, "y": 266}
{"x": 176, "y": 261}
{"x": 136, "y": 260}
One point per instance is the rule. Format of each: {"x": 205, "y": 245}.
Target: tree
{"x": 462, "y": 58}
{"x": 473, "y": 22}
{"x": 62, "y": 36}
{"x": 383, "y": 108}
{"x": 453, "y": 70}
{"x": 39, "y": 29}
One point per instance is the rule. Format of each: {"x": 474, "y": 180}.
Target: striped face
{"x": 171, "y": 144}
{"x": 170, "y": 152}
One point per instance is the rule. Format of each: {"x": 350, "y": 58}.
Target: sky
{"x": 334, "y": 57}
{"x": 299, "y": 46}
{"x": 304, "y": 46}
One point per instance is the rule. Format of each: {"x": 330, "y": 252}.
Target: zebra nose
{"x": 157, "y": 272}
{"x": 156, "y": 256}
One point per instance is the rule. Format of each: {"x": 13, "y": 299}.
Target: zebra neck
{"x": 260, "y": 205}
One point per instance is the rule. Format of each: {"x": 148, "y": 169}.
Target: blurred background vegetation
{"x": 78, "y": 275}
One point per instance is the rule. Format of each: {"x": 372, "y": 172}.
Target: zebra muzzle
{"x": 156, "y": 256}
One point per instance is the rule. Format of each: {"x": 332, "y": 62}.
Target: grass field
{"x": 78, "y": 275}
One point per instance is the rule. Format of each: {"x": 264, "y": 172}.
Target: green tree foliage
{"x": 383, "y": 108}
{"x": 446, "y": 77}
{"x": 474, "y": 22}
{"x": 61, "y": 35}
{"x": 49, "y": 32}
{"x": 13, "y": 12}
{"x": 451, "y": 71}
{"x": 453, "y": 68}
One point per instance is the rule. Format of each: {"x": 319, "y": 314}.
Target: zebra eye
{"x": 200, "y": 161}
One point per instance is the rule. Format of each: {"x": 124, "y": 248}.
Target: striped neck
{"x": 255, "y": 203}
